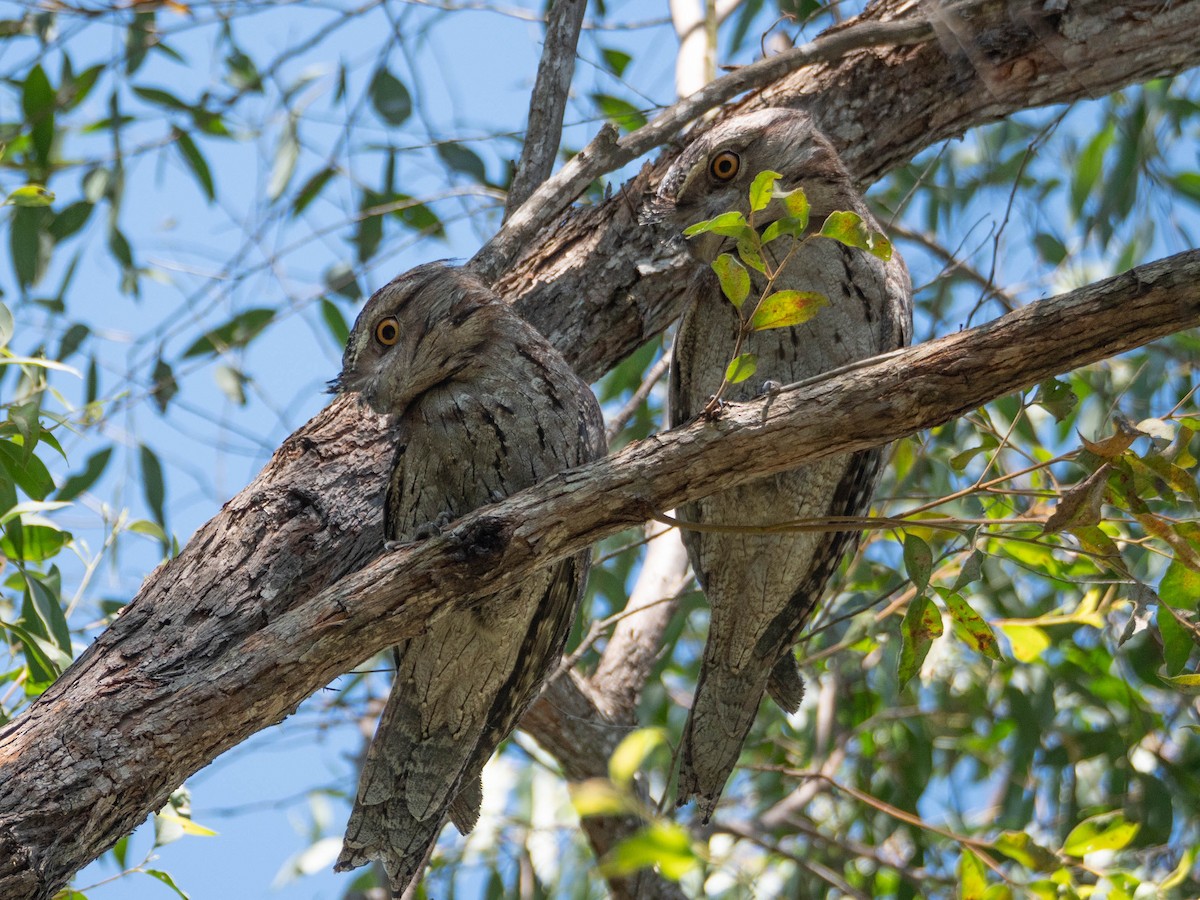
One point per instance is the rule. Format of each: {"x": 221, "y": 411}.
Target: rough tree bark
{"x": 270, "y": 600}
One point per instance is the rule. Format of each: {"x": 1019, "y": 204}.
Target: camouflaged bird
{"x": 486, "y": 407}
{"x": 762, "y": 588}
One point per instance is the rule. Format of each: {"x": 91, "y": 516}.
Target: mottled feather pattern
{"x": 486, "y": 408}
{"x": 762, "y": 588}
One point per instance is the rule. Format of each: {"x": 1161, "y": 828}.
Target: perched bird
{"x": 762, "y": 587}
{"x": 486, "y": 407}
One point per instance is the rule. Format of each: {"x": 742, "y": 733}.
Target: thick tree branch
{"x": 198, "y": 662}
{"x": 548, "y": 100}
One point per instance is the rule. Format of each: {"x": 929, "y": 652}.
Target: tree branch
{"x": 547, "y": 102}
{"x": 235, "y": 632}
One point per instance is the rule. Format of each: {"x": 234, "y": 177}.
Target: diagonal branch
{"x": 195, "y": 666}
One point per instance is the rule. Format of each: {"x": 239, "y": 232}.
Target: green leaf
{"x": 1180, "y": 586}
{"x": 615, "y": 60}
{"x": 153, "y": 486}
{"x": 286, "y": 154}
{"x": 735, "y": 280}
{"x": 1018, "y": 845}
{"x": 44, "y": 603}
{"x": 730, "y": 224}
{"x": 70, "y": 220}
{"x": 783, "y": 309}
{"x": 390, "y": 97}
{"x": 1056, "y": 397}
{"x": 196, "y": 162}
{"x": 30, "y": 195}
{"x": 166, "y": 879}
{"x": 633, "y": 750}
{"x": 311, "y": 189}
{"x": 29, "y": 243}
{"x": 418, "y": 216}
{"x": 787, "y": 226}
{"x": 972, "y": 876}
{"x": 741, "y": 367}
{"x": 665, "y": 845}
{"x": 1107, "y": 831}
{"x": 335, "y": 322}
{"x": 237, "y": 332}
{"x": 600, "y": 797}
{"x": 1088, "y": 165}
{"x": 921, "y": 624}
{"x": 37, "y": 102}
{"x": 970, "y": 572}
{"x": 159, "y": 97}
{"x": 27, "y": 471}
{"x": 621, "y": 113}
{"x": 1185, "y": 684}
{"x": 795, "y": 202}
{"x": 79, "y": 482}
{"x": 762, "y": 189}
{"x": 1028, "y": 641}
{"x": 1178, "y": 640}
{"x": 973, "y": 629}
{"x": 369, "y": 233}
{"x": 339, "y": 278}
{"x": 849, "y": 228}
{"x": 243, "y": 74}
{"x": 1050, "y": 248}
{"x": 918, "y": 560}
{"x": 749, "y": 253}
{"x": 463, "y": 160}
{"x": 163, "y": 386}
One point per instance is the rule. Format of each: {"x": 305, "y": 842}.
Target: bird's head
{"x": 425, "y": 328}
{"x": 713, "y": 175}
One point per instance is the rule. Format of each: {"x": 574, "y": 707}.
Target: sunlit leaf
{"x": 730, "y": 224}
{"x": 1018, "y": 845}
{"x": 287, "y": 151}
{"x": 971, "y": 627}
{"x": 599, "y": 797}
{"x": 1107, "y": 831}
{"x": 741, "y": 367}
{"x": 30, "y": 195}
{"x": 762, "y": 188}
{"x": 629, "y": 755}
{"x": 734, "y": 279}
{"x": 166, "y": 879}
{"x": 1028, "y": 641}
{"x": 972, "y": 876}
{"x": 665, "y": 845}
{"x": 784, "y": 309}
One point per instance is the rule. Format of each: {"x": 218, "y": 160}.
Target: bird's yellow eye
{"x": 724, "y": 166}
{"x": 387, "y": 332}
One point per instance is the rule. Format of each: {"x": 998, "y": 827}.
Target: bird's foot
{"x": 770, "y": 386}
{"x": 433, "y": 529}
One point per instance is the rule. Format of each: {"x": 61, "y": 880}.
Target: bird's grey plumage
{"x": 486, "y": 407}
{"x": 762, "y": 587}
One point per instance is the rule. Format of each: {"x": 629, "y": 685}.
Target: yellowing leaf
{"x": 1079, "y": 506}
{"x": 632, "y": 752}
{"x": 972, "y": 877}
{"x": 735, "y": 280}
{"x": 921, "y": 624}
{"x": 30, "y": 195}
{"x": 188, "y": 826}
{"x": 1018, "y": 845}
{"x": 788, "y": 225}
{"x": 1185, "y": 684}
{"x": 1107, "y": 831}
{"x": 741, "y": 367}
{"x": 600, "y": 797}
{"x": 973, "y": 629}
{"x": 796, "y": 203}
{"x": 784, "y": 309}
{"x": 847, "y": 228}
{"x": 1028, "y": 641}
{"x": 762, "y": 188}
